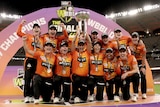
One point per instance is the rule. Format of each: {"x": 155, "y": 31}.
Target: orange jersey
{"x": 138, "y": 50}
{"x": 124, "y": 40}
{"x": 96, "y": 64}
{"x": 31, "y": 44}
{"x": 55, "y": 40}
{"x": 44, "y": 64}
{"x": 80, "y": 63}
{"x": 116, "y": 46}
{"x": 63, "y": 65}
{"x": 110, "y": 68}
{"x": 111, "y": 44}
{"x": 127, "y": 65}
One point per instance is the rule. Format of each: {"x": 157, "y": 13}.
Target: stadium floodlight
{"x": 147, "y": 7}
{"x": 133, "y": 12}
{"x": 112, "y": 15}
{"x": 150, "y": 7}
{"x": 10, "y": 16}
{"x": 124, "y": 13}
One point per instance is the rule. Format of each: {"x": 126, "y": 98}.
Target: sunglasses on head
{"x": 80, "y": 44}
{"x": 104, "y": 37}
{"x": 134, "y": 36}
{"x": 109, "y": 51}
{"x": 122, "y": 50}
{"x": 117, "y": 31}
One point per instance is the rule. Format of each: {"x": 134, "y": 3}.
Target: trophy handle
{"x": 83, "y": 25}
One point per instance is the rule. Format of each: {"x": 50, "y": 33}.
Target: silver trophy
{"x": 82, "y": 17}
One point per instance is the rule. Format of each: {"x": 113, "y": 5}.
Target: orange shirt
{"x": 63, "y": 65}
{"x": 111, "y": 44}
{"x": 96, "y": 64}
{"x": 125, "y": 40}
{"x": 30, "y": 41}
{"x": 138, "y": 50}
{"x": 127, "y": 65}
{"x": 45, "y": 64}
{"x": 110, "y": 68}
{"x": 55, "y": 41}
{"x": 80, "y": 63}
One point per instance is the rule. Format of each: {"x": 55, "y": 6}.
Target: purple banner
{"x": 10, "y": 43}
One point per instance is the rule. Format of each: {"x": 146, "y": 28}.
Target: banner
{"x": 11, "y": 77}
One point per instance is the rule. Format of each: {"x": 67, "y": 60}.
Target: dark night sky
{"x": 23, "y": 7}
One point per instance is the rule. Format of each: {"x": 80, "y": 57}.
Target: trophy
{"x": 82, "y": 17}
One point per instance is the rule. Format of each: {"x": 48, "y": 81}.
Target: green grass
{"x": 157, "y": 88}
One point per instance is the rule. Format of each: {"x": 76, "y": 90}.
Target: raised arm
{"x": 65, "y": 33}
{"x": 19, "y": 30}
{"x": 89, "y": 43}
{"x": 73, "y": 46}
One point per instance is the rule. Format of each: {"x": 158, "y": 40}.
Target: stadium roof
{"x": 147, "y": 21}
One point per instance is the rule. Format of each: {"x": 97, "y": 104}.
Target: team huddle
{"x": 84, "y": 69}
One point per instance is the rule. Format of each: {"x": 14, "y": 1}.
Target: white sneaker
{"x": 26, "y": 99}
{"x": 56, "y": 100}
{"x": 36, "y": 101}
{"x": 116, "y": 99}
{"x": 40, "y": 99}
{"x": 31, "y": 99}
{"x": 137, "y": 95}
{"x": 77, "y": 100}
{"x": 91, "y": 97}
{"x": 71, "y": 99}
{"x": 62, "y": 100}
{"x": 134, "y": 98}
{"x": 144, "y": 96}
